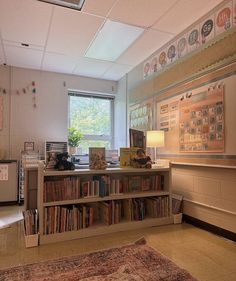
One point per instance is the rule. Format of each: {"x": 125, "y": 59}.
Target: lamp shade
{"x": 155, "y": 139}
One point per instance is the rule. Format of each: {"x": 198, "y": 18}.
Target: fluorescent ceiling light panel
{"x": 112, "y": 40}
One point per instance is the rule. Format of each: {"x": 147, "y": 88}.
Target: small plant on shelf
{"x": 74, "y": 138}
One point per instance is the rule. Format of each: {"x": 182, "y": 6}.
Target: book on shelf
{"x": 126, "y": 155}
{"x": 30, "y": 221}
{"x": 157, "y": 206}
{"x": 97, "y": 158}
{"x": 58, "y": 219}
{"x": 134, "y": 183}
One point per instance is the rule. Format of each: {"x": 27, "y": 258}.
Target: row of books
{"x": 30, "y": 221}
{"x": 59, "y": 219}
{"x": 134, "y": 209}
{"x": 70, "y": 188}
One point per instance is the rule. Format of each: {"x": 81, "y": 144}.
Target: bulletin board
{"x": 201, "y": 121}
{"x": 193, "y": 121}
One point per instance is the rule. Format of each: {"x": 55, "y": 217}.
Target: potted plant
{"x": 74, "y": 138}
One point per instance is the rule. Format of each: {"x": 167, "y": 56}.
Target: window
{"x": 92, "y": 115}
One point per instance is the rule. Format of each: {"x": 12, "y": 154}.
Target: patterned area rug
{"x": 135, "y": 262}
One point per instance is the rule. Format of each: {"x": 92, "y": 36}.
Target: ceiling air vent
{"x": 72, "y": 4}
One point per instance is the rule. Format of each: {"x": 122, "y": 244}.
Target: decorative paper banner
{"x": 194, "y": 37}
{"x": 1, "y": 112}
{"x": 223, "y": 19}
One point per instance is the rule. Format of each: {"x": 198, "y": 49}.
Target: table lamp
{"x": 155, "y": 139}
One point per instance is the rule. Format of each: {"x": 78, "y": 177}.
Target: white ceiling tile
{"x": 149, "y": 42}
{"x": 25, "y": 21}
{"x": 140, "y": 12}
{"x": 100, "y": 8}
{"x": 116, "y": 72}
{"x": 23, "y": 57}
{"x": 92, "y": 68}
{"x": 2, "y": 57}
{"x": 58, "y": 63}
{"x": 72, "y": 31}
{"x": 185, "y": 13}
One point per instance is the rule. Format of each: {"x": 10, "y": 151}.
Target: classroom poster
{"x": 140, "y": 115}
{"x": 201, "y": 121}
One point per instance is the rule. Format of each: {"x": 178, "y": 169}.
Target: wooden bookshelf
{"x": 50, "y": 221}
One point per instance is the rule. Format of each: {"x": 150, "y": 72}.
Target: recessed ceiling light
{"x": 112, "y": 40}
{"x": 72, "y": 4}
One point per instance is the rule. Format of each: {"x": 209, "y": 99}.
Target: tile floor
{"x": 206, "y": 256}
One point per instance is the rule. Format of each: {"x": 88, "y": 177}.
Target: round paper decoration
{"x": 171, "y": 52}
{"x": 223, "y": 17}
{"x": 162, "y": 58}
{"x": 207, "y": 28}
{"x": 193, "y": 37}
{"x": 154, "y": 64}
{"x": 181, "y": 45}
{"x": 146, "y": 68}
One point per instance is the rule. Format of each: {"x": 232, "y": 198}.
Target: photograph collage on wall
{"x": 208, "y": 28}
{"x": 141, "y": 115}
{"x": 201, "y": 121}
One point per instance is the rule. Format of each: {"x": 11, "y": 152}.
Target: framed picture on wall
{"x": 28, "y": 146}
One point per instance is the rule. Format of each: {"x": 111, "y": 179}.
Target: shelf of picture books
{"x": 83, "y": 203}
{"x": 31, "y": 228}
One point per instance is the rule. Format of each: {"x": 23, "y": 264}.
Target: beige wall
{"x": 209, "y": 193}
{"x": 48, "y": 121}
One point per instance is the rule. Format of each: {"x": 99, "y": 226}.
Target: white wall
{"x": 48, "y": 121}
{"x": 120, "y": 116}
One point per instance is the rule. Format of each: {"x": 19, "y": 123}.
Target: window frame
{"x": 89, "y": 137}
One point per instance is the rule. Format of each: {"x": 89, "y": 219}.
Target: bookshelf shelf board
{"x": 104, "y": 229}
{"x": 102, "y": 172}
{"x": 107, "y": 198}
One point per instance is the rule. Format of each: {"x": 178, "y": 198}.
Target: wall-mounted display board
{"x": 201, "y": 121}
{"x": 141, "y": 115}
{"x": 193, "y": 121}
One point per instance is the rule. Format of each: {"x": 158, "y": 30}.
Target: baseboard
{"x": 210, "y": 227}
